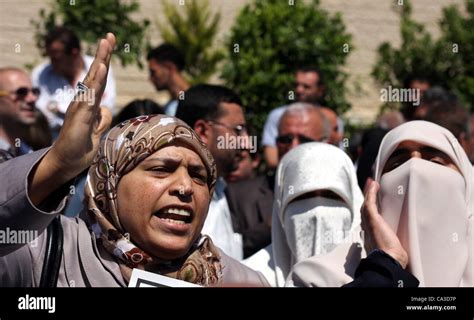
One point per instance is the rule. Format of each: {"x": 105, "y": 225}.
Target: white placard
{"x": 145, "y": 279}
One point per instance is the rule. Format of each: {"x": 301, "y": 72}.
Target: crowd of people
{"x": 189, "y": 191}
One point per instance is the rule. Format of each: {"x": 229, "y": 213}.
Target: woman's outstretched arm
{"x": 79, "y": 138}
{"x": 28, "y": 181}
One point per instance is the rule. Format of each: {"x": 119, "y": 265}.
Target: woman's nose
{"x": 183, "y": 184}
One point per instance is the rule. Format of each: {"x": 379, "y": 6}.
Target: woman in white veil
{"x": 316, "y": 207}
{"x": 422, "y": 201}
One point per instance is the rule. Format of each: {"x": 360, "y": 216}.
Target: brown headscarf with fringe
{"x": 123, "y": 148}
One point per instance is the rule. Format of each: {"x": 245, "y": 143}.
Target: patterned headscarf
{"x": 123, "y": 148}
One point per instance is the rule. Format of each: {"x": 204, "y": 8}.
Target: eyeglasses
{"x": 239, "y": 129}
{"x": 288, "y": 138}
{"x": 21, "y": 92}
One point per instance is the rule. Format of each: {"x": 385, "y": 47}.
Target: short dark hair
{"x": 451, "y": 116}
{"x": 202, "y": 101}
{"x": 409, "y": 78}
{"x": 439, "y": 95}
{"x": 167, "y": 52}
{"x": 137, "y": 108}
{"x": 314, "y": 69}
{"x": 64, "y": 35}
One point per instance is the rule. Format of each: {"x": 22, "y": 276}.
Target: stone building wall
{"x": 369, "y": 21}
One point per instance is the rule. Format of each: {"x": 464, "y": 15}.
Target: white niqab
{"x": 307, "y": 168}
{"x": 315, "y": 226}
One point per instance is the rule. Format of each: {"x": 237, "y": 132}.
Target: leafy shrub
{"x": 91, "y": 20}
{"x": 271, "y": 39}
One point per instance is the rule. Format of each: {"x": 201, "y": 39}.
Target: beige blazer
{"x": 84, "y": 261}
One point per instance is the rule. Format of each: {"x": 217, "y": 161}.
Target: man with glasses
{"x": 309, "y": 88}
{"x": 251, "y": 201}
{"x": 301, "y": 123}
{"x": 215, "y": 113}
{"x": 17, "y": 111}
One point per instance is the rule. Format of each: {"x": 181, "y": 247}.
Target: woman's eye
{"x": 160, "y": 170}
{"x": 201, "y": 179}
{"x": 439, "y": 161}
{"x": 395, "y": 164}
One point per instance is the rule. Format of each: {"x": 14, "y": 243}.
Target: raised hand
{"x": 378, "y": 233}
{"x": 80, "y": 135}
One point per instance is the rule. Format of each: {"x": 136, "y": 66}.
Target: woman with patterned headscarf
{"x": 148, "y": 191}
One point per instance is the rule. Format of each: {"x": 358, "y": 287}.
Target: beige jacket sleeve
{"x": 18, "y": 216}
{"x": 22, "y": 224}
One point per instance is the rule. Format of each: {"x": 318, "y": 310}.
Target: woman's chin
{"x": 171, "y": 250}
{"x": 164, "y": 243}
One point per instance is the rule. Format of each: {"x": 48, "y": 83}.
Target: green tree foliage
{"x": 91, "y": 20}
{"x": 458, "y": 44}
{"x": 271, "y": 39}
{"x": 447, "y": 61}
{"x": 192, "y": 28}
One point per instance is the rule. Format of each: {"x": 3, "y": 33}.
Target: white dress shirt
{"x": 218, "y": 224}
{"x": 57, "y": 92}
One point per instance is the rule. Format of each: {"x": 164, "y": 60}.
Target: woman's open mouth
{"x": 175, "y": 215}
